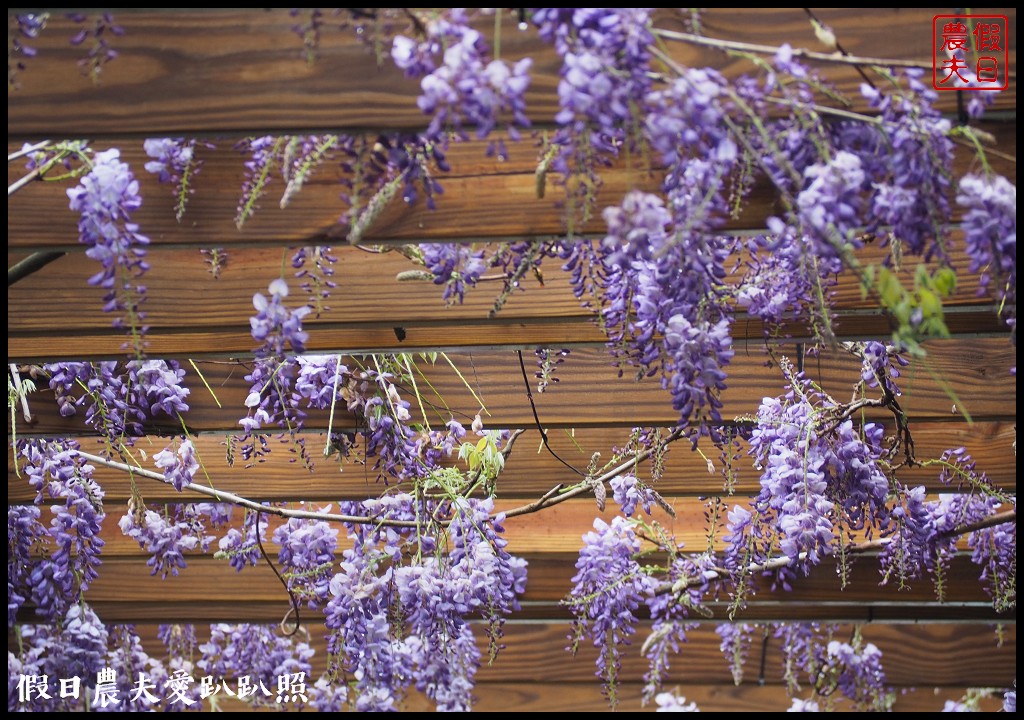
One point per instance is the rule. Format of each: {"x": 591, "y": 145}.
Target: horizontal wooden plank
{"x": 190, "y": 312}
{"x": 244, "y": 70}
{"x": 586, "y": 697}
{"x": 556, "y": 530}
{"x": 211, "y": 586}
{"x": 937, "y": 656}
{"x": 480, "y": 201}
{"x": 503, "y": 332}
{"x": 549, "y": 542}
{"x": 591, "y": 394}
{"x": 531, "y": 471}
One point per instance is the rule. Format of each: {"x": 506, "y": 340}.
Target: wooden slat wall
{"x": 228, "y": 74}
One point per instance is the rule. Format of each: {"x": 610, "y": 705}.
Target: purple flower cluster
{"x": 660, "y": 309}
{"x": 432, "y": 590}
{"x": 117, "y": 402}
{"x": 174, "y": 161}
{"x": 671, "y": 702}
{"x": 100, "y": 52}
{"x": 465, "y": 89}
{"x": 264, "y": 153}
{"x": 162, "y": 537}
{"x": 779, "y": 280}
{"x": 608, "y": 589}
{"x": 881, "y": 366}
{"x": 23, "y": 532}
{"x": 488, "y": 580}
{"x": 180, "y": 467}
{"x": 307, "y": 556}
{"x": 241, "y": 546}
{"x": 56, "y": 470}
{"x": 157, "y": 387}
{"x": 257, "y": 651}
{"x": 301, "y": 156}
{"x": 990, "y": 232}
{"x": 271, "y": 399}
{"x": 321, "y": 380}
{"x": 606, "y": 58}
{"x": 831, "y": 208}
{"x": 994, "y": 549}
{"x": 455, "y": 266}
{"x": 802, "y": 705}
{"x": 821, "y": 477}
{"x": 629, "y": 492}
{"x": 314, "y": 266}
{"x": 106, "y": 198}
{"x": 29, "y": 25}
{"x": 859, "y": 674}
{"x": 389, "y": 436}
{"x": 911, "y": 195}
{"x": 274, "y": 325}
{"x": 670, "y": 613}
{"x": 735, "y": 646}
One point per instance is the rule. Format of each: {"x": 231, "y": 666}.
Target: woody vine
{"x": 426, "y": 561}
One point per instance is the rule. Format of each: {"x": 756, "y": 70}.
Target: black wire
{"x": 31, "y": 264}
{"x": 291, "y": 596}
{"x": 536, "y": 418}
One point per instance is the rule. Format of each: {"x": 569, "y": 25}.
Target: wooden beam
{"x": 481, "y": 201}
{"x": 977, "y": 372}
{"x": 216, "y": 71}
{"x": 530, "y": 471}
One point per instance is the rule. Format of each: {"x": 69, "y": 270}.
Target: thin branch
{"x": 552, "y": 498}
{"x": 230, "y": 497}
{"x": 854, "y": 549}
{"x": 821, "y": 31}
{"x": 797, "y": 52}
{"x": 28, "y": 150}
{"x": 30, "y": 176}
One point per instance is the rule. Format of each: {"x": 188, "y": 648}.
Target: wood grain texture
{"x": 936, "y": 653}
{"x": 480, "y": 201}
{"x": 592, "y": 394}
{"x": 224, "y": 71}
{"x": 227, "y": 74}
{"x": 530, "y": 471}
{"x": 182, "y": 295}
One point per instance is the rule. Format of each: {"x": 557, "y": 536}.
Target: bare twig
{"x": 30, "y": 176}
{"x": 552, "y": 498}
{"x": 27, "y": 150}
{"x": 797, "y": 52}
{"x": 853, "y": 549}
{"x": 230, "y": 497}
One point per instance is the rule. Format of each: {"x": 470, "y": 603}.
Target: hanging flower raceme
{"x": 608, "y": 590}
{"x": 106, "y": 198}
{"x": 464, "y": 90}
{"x": 271, "y": 400}
{"x": 56, "y": 471}
{"x": 174, "y": 161}
{"x": 990, "y": 237}
{"x": 435, "y": 590}
{"x": 307, "y": 557}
